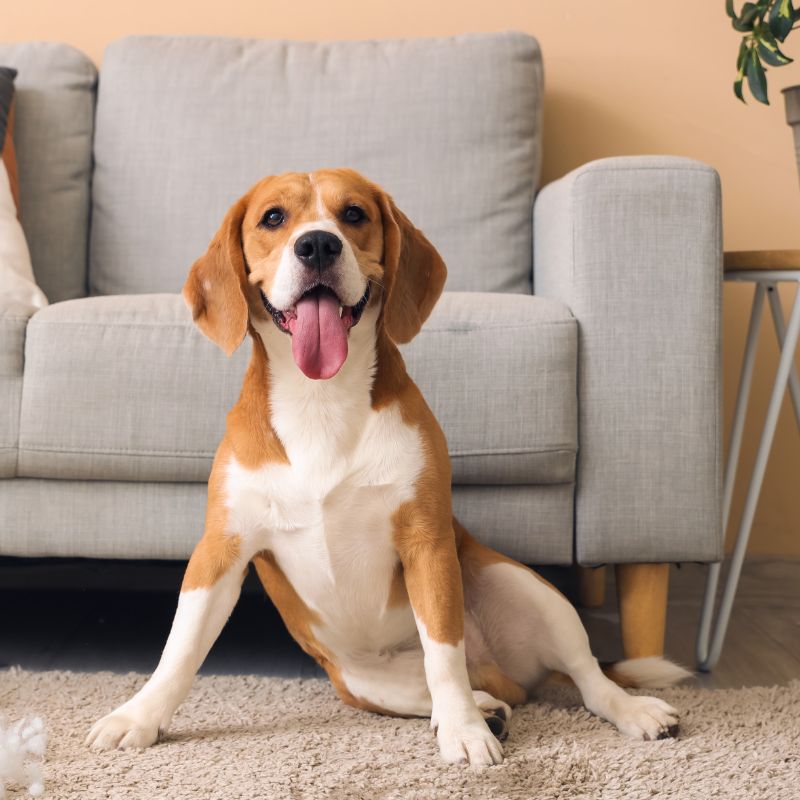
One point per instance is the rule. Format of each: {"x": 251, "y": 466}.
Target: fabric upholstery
{"x": 186, "y": 125}
{"x": 14, "y": 317}
{"x": 53, "y": 126}
{"x": 106, "y": 519}
{"x": 142, "y": 395}
{"x": 633, "y": 247}
{"x": 499, "y": 373}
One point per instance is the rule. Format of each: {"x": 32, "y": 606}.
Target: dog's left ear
{"x": 215, "y": 290}
{"x": 414, "y": 273}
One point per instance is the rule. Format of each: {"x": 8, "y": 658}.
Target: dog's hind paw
{"x": 647, "y": 718}
{"x": 496, "y": 713}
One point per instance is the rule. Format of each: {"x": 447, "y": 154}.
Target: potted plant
{"x": 765, "y": 26}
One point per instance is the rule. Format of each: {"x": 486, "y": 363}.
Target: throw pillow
{"x": 7, "y": 154}
{"x": 17, "y": 284}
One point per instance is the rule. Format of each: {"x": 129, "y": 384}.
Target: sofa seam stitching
{"x": 207, "y": 454}
{"x": 187, "y": 326}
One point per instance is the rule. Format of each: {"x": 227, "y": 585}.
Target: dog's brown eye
{"x": 353, "y": 215}
{"x": 273, "y": 218}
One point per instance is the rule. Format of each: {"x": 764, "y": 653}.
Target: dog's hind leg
{"x": 532, "y": 630}
{"x": 210, "y": 590}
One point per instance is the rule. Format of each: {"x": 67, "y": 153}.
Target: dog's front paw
{"x": 469, "y": 742}
{"x": 124, "y": 728}
{"x": 645, "y": 718}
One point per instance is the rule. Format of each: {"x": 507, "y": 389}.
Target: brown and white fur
{"x": 338, "y": 491}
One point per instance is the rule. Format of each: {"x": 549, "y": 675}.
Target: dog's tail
{"x": 638, "y": 673}
{"x": 646, "y": 673}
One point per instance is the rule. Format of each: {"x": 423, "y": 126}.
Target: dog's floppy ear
{"x": 414, "y": 273}
{"x": 215, "y": 290}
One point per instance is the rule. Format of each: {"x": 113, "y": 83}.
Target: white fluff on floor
{"x": 21, "y": 752}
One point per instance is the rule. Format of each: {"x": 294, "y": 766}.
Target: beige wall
{"x": 623, "y": 77}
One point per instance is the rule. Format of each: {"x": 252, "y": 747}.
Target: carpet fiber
{"x": 255, "y": 737}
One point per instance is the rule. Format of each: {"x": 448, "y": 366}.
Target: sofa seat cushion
{"x": 125, "y": 388}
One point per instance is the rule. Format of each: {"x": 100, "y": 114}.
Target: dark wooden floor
{"x": 87, "y": 615}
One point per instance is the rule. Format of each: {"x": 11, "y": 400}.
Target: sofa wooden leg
{"x": 642, "y": 598}
{"x": 591, "y": 586}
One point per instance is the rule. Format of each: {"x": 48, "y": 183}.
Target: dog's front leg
{"x": 209, "y": 592}
{"x": 433, "y": 580}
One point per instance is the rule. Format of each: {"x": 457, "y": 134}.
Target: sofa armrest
{"x": 633, "y": 247}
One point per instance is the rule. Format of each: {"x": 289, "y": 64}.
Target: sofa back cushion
{"x": 450, "y": 127}
{"x": 53, "y": 126}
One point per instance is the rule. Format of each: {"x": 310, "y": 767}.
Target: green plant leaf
{"x": 744, "y": 22}
{"x": 741, "y": 66}
{"x": 766, "y": 35}
{"x": 749, "y": 11}
{"x": 756, "y": 77}
{"x": 769, "y": 50}
{"x": 729, "y": 9}
{"x": 740, "y": 59}
{"x": 771, "y": 58}
{"x": 781, "y": 18}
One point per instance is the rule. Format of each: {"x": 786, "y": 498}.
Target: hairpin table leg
{"x": 709, "y": 646}
{"x": 780, "y": 333}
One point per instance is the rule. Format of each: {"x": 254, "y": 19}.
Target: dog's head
{"x": 313, "y": 251}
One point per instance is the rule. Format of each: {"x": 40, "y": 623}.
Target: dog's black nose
{"x": 318, "y": 249}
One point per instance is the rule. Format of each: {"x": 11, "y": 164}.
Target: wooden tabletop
{"x": 741, "y": 260}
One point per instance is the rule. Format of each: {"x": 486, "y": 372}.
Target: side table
{"x": 766, "y": 269}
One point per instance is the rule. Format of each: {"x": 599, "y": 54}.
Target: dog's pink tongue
{"x": 319, "y": 337}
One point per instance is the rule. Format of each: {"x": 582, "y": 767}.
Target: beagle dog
{"x": 333, "y": 480}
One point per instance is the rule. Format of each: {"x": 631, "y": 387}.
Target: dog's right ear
{"x": 414, "y": 273}
{"x": 215, "y": 290}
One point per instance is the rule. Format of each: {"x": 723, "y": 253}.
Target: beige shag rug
{"x": 263, "y": 738}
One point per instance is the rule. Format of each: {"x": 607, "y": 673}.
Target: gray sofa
{"x": 573, "y": 360}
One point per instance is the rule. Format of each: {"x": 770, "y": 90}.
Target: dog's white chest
{"x": 327, "y": 519}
